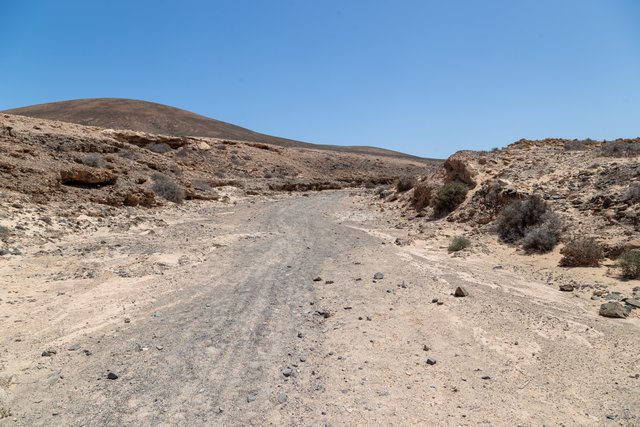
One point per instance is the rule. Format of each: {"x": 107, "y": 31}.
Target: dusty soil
{"x": 201, "y": 308}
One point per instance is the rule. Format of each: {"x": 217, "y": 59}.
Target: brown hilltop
{"x": 149, "y": 117}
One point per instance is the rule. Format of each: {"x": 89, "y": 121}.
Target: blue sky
{"x": 423, "y": 77}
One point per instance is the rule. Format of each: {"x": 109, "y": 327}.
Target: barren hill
{"x": 143, "y": 116}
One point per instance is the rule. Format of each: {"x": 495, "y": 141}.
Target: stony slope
{"x": 149, "y": 117}
{"x": 46, "y": 160}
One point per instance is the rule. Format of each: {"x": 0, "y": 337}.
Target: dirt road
{"x": 212, "y": 317}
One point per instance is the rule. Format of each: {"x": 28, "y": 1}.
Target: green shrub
{"x": 449, "y": 197}
{"x": 405, "y": 183}
{"x": 459, "y": 243}
{"x": 582, "y": 252}
{"x": 629, "y": 263}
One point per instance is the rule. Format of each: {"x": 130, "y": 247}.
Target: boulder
{"x": 614, "y": 310}
{"x": 88, "y": 177}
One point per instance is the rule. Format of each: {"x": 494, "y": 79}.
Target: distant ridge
{"x": 144, "y": 116}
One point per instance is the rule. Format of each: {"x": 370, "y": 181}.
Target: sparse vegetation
{"x": 629, "y": 264}
{"x": 450, "y": 197}
{"x": 405, "y": 183}
{"x": 93, "y": 160}
{"x": 530, "y": 222}
{"x": 160, "y": 148}
{"x": 578, "y": 144}
{"x": 582, "y": 252}
{"x": 4, "y": 232}
{"x": 167, "y": 189}
{"x": 632, "y": 194}
{"x": 201, "y": 186}
{"x": 620, "y": 149}
{"x": 459, "y": 243}
{"x": 421, "y": 196}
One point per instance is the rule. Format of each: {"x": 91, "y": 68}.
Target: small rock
{"x": 633, "y": 303}
{"x": 282, "y": 398}
{"x": 328, "y": 282}
{"x": 252, "y": 397}
{"x": 566, "y": 288}
{"x": 486, "y": 377}
{"x": 382, "y": 393}
{"x": 317, "y": 279}
{"x": 127, "y": 320}
{"x": 612, "y": 296}
{"x": 287, "y": 372}
{"x": 303, "y": 359}
{"x": 435, "y": 300}
{"x": 613, "y": 309}
{"x": 87, "y": 352}
{"x": 378, "y": 276}
{"x": 49, "y": 352}
{"x": 431, "y": 361}
{"x": 112, "y": 375}
{"x": 324, "y": 313}
{"x": 74, "y": 347}
{"x": 460, "y": 292}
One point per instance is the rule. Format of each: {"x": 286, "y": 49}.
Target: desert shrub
{"x": 629, "y": 264}
{"x": 582, "y": 252}
{"x": 620, "y": 149}
{"x": 182, "y": 153}
{"x": 421, "y": 196}
{"x": 632, "y": 194}
{"x": 167, "y": 189}
{"x": 520, "y": 216}
{"x": 405, "y": 183}
{"x": 93, "y": 160}
{"x": 459, "y": 243}
{"x": 160, "y": 148}
{"x": 201, "y": 186}
{"x": 128, "y": 154}
{"x": 449, "y": 197}
{"x": 4, "y": 232}
{"x": 544, "y": 237}
{"x": 578, "y": 144}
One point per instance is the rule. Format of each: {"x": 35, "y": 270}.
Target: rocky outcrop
{"x": 458, "y": 168}
{"x": 87, "y": 177}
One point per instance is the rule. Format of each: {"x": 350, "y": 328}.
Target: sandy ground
{"x": 209, "y": 315}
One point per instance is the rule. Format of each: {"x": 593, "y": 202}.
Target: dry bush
{"x": 578, "y": 144}
{"x": 4, "y": 232}
{"x": 93, "y": 160}
{"x": 632, "y": 194}
{"x": 518, "y": 217}
{"x": 582, "y": 252}
{"x": 629, "y": 264}
{"x": 201, "y": 186}
{"x": 620, "y": 149}
{"x": 421, "y": 196}
{"x": 405, "y": 183}
{"x": 544, "y": 237}
{"x": 530, "y": 222}
{"x": 160, "y": 148}
{"x": 449, "y": 197}
{"x": 459, "y": 243}
{"x": 168, "y": 189}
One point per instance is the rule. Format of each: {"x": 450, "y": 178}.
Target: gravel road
{"x": 237, "y": 332}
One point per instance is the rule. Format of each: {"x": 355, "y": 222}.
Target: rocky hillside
{"x": 43, "y": 160}
{"x": 149, "y": 117}
{"x": 593, "y": 186}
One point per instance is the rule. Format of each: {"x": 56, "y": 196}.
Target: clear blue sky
{"x": 423, "y": 77}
